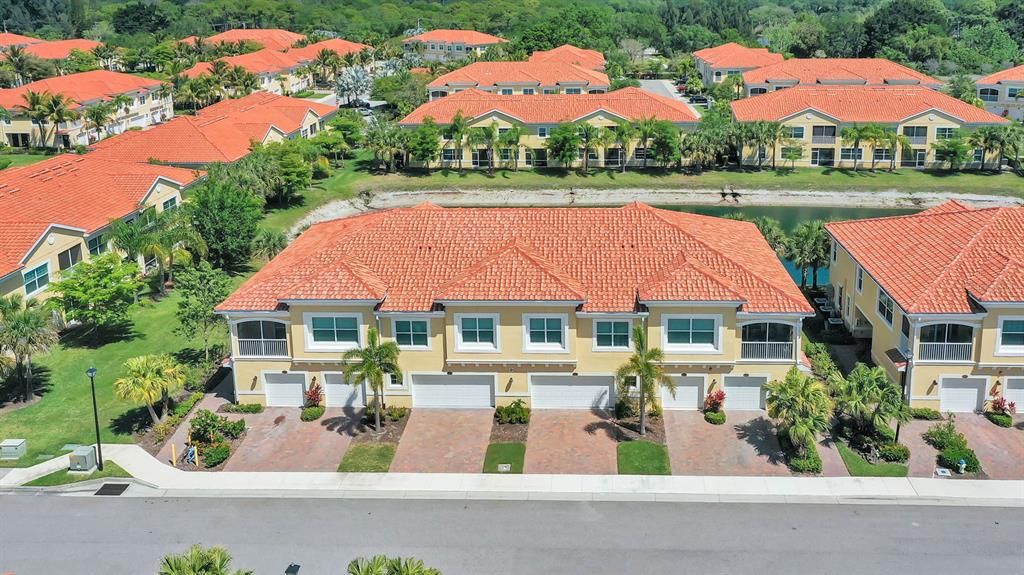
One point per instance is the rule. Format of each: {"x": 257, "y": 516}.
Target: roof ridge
{"x": 923, "y": 213}
{"x": 667, "y": 273}
{"x": 515, "y": 245}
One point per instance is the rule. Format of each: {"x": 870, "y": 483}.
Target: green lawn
{"x": 512, "y": 453}
{"x": 64, "y": 414}
{"x": 643, "y": 458}
{"x": 368, "y": 458}
{"x": 337, "y": 187}
{"x": 859, "y": 467}
{"x": 64, "y": 477}
{"x": 22, "y": 159}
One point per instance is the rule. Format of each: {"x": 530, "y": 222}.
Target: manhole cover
{"x": 112, "y": 489}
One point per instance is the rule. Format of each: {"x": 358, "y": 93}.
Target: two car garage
{"x": 289, "y": 389}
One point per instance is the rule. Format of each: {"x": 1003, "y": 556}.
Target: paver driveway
{"x": 575, "y": 441}
{"x": 444, "y": 441}
{"x": 277, "y": 440}
{"x": 745, "y": 445}
{"x": 1000, "y": 450}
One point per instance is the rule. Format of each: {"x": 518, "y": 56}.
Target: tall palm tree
{"x": 772, "y": 134}
{"x": 170, "y": 238}
{"x": 200, "y": 561}
{"x": 327, "y": 63}
{"x": 773, "y": 233}
{"x": 98, "y": 116}
{"x": 625, "y": 133}
{"x": 148, "y": 379}
{"x": 25, "y": 330}
{"x": 589, "y": 136}
{"x": 485, "y": 137}
{"x": 385, "y": 138}
{"x": 809, "y": 248}
{"x": 371, "y": 363}
{"x": 512, "y": 139}
{"x": 802, "y": 406}
{"x": 645, "y": 365}
{"x": 457, "y": 130}
{"x": 35, "y": 108}
{"x": 59, "y": 109}
{"x": 21, "y": 63}
{"x": 895, "y": 142}
{"x": 645, "y": 131}
{"x": 988, "y": 139}
{"x": 870, "y": 398}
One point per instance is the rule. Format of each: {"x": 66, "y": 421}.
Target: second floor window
{"x": 36, "y": 279}
{"x": 478, "y": 332}
{"x": 545, "y": 332}
{"x": 411, "y": 333}
{"x": 338, "y": 329}
{"x": 945, "y": 133}
{"x": 97, "y": 245}
{"x": 860, "y": 279}
{"x": 988, "y": 94}
{"x": 69, "y": 257}
{"x": 1011, "y": 335}
{"x": 697, "y": 333}
{"x": 885, "y": 307}
{"x": 611, "y": 334}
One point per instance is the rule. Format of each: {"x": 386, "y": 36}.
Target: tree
{"x": 869, "y": 398}
{"x": 169, "y": 236}
{"x": 485, "y": 137}
{"x": 645, "y": 131}
{"x": 802, "y": 406}
{"x": 35, "y": 107}
{"x": 98, "y": 116}
{"x": 370, "y": 364}
{"x": 809, "y": 248}
{"x": 98, "y": 292}
{"x": 268, "y": 243}
{"x": 857, "y": 134}
{"x": 457, "y": 130}
{"x": 792, "y": 154}
{"x": 200, "y": 561}
{"x": 403, "y": 90}
{"x": 962, "y": 88}
{"x": 381, "y": 565}
{"x": 511, "y": 139}
{"x": 589, "y": 140}
{"x": 227, "y": 218}
{"x": 987, "y": 139}
{"x": 352, "y": 82}
{"x": 25, "y": 330}
{"x": 148, "y": 379}
{"x": 563, "y": 144}
{"x": 895, "y": 142}
{"x": 386, "y": 139}
{"x": 773, "y": 233}
{"x": 953, "y": 151}
{"x": 201, "y": 288}
{"x": 768, "y": 135}
{"x": 625, "y": 133}
{"x": 644, "y": 368}
{"x": 665, "y": 143}
{"x": 425, "y": 142}
{"x": 327, "y": 63}
{"x": 296, "y": 175}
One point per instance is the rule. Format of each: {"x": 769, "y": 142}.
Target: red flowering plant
{"x": 314, "y": 395}
{"x": 714, "y": 400}
{"x": 1000, "y": 405}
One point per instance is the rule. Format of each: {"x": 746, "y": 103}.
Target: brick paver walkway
{"x": 831, "y": 462}
{"x": 444, "y": 441}
{"x": 211, "y": 401}
{"x": 745, "y": 445}
{"x": 277, "y": 440}
{"x": 574, "y": 441}
{"x": 922, "y": 456}
{"x": 1000, "y": 450}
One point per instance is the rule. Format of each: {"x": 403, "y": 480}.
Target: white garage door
{"x": 337, "y": 393}
{"x": 1015, "y": 392}
{"x": 744, "y": 392}
{"x": 284, "y": 389}
{"x": 572, "y": 391}
{"x": 453, "y": 391}
{"x": 962, "y": 395}
{"x": 689, "y": 393}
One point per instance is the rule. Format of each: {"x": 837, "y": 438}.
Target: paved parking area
{"x": 277, "y": 440}
{"x": 745, "y": 445}
{"x": 444, "y": 441}
{"x": 575, "y": 441}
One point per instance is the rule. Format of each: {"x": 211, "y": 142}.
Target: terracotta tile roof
{"x": 10, "y": 39}
{"x": 266, "y": 61}
{"x": 488, "y": 74}
{"x": 1008, "y": 75}
{"x": 222, "y": 132}
{"x": 858, "y": 71}
{"x": 628, "y": 103}
{"x": 887, "y": 104}
{"x": 272, "y": 38}
{"x": 336, "y": 45}
{"x": 733, "y": 55}
{"x": 569, "y": 54}
{"x": 60, "y": 49}
{"x": 468, "y": 37}
{"x": 80, "y": 192}
{"x": 937, "y": 260}
{"x": 601, "y": 256}
{"x": 83, "y": 88}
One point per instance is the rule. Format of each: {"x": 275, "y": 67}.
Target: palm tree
{"x": 646, "y": 366}
{"x": 386, "y": 139}
{"x": 328, "y": 63}
{"x": 589, "y": 135}
{"x": 645, "y": 130}
{"x": 25, "y": 330}
{"x": 988, "y": 139}
{"x": 485, "y": 137}
{"x": 200, "y": 561}
{"x": 802, "y": 406}
{"x": 857, "y": 134}
{"x": 21, "y": 63}
{"x": 58, "y": 111}
{"x": 605, "y": 140}
{"x": 35, "y": 108}
{"x": 512, "y": 139}
{"x": 809, "y": 248}
{"x": 268, "y": 243}
{"x": 870, "y": 398}
{"x": 370, "y": 363}
{"x": 98, "y": 116}
{"x": 773, "y": 233}
{"x": 625, "y": 133}
{"x": 169, "y": 238}
{"x": 457, "y": 129}
{"x": 895, "y": 142}
{"x": 772, "y": 133}
{"x": 148, "y": 379}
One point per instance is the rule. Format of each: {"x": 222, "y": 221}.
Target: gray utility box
{"x": 13, "y": 448}
{"x": 83, "y": 459}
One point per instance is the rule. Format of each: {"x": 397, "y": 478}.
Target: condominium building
{"x": 269, "y": 38}
{"x": 1003, "y": 92}
{"x": 569, "y": 54}
{"x": 520, "y": 78}
{"x": 716, "y": 64}
{"x": 442, "y": 45}
{"x": 833, "y": 72}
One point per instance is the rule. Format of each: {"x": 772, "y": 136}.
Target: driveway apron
{"x": 571, "y": 441}
{"x": 745, "y": 445}
{"x": 444, "y": 441}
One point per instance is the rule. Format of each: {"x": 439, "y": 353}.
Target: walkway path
{"x": 832, "y": 464}
{"x": 212, "y": 401}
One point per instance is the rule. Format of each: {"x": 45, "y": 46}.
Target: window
{"x": 860, "y": 279}
{"x": 542, "y": 132}
{"x": 528, "y": 91}
{"x": 1014, "y": 93}
{"x": 947, "y": 333}
{"x": 449, "y": 155}
{"x": 458, "y": 48}
{"x": 506, "y": 91}
{"x": 412, "y": 333}
{"x": 170, "y": 204}
{"x": 833, "y": 252}
{"x": 758, "y": 91}
{"x": 506, "y": 154}
{"x": 979, "y": 153}
{"x": 335, "y": 329}
{"x": 96, "y": 245}
{"x": 538, "y": 157}
{"x": 762, "y": 153}
{"x": 477, "y": 333}
{"x": 261, "y": 338}
{"x": 261, "y": 330}
{"x": 794, "y": 132}
{"x": 395, "y": 379}
{"x": 639, "y": 153}
{"x": 851, "y": 153}
{"x": 573, "y": 91}
{"x": 885, "y": 306}
{"x": 691, "y": 333}
{"x": 36, "y": 279}
{"x": 550, "y": 90}
{"x": 503, "y": 130}
{"x": 883, "y": 155}
{"x": 988, "y": 94}
{"x": 1011, "y": 335}
{"x": 915, "y": 131}
{"x": 545, "y": 332}
{"x": 69, "y": 257}
{"x": 945, "y": 133}
{"x": 611, "y": 334}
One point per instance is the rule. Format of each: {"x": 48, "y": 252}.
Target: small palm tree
{"x": 268, "y": 243}
{"x": 21, "y": 63}
{"x": 645, "y": 130}
{"x": 457, "y": 130}
{"x": 869, "y": 398}
{"x": 988, "y": 139}
{"x": 645, "y": 366}
{"x": 589, "y": 140}
{"x": 485, "y": 137}
{"x": 855, "y": 135}
{"x": 25, "y": 330}
{"x": 98, "y": 116}
{"x": 200, "y": 561}
{"x": 169, "y": 238}
{"x": 370, "y": 364}
{"x": 149, "y": 379}
{"x": 512, "y": 139}
{"x": 809, "y": 248}
{"x": 625, "y": 133}
{"x": 802, "y": 406}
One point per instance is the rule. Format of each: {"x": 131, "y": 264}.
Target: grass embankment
{"x": 511, "y": 453}
{"x": 65, "y": 477}
{"x": 643, "y": 458}
{"x": 368, "y": 458}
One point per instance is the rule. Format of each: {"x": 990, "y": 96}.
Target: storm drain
{"x": 112, "y": 489}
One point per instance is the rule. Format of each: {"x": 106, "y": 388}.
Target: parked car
{"x": 702, "y": 101}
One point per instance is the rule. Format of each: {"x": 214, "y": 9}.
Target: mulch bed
{"x": 391, "y": 432}
{"x": 234, "y": 443}
{"x": 508, "y": 432}
{"x": 629, "y": 429}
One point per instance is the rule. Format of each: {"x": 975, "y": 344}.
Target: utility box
{"x": 83, "y": 459}
{"x": 13, "y": 448}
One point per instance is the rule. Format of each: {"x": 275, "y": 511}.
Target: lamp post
{"x": 91, "y": 372}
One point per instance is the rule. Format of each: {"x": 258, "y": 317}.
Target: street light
{"x": 91, "y": 372}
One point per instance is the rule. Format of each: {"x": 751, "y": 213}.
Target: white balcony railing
{"x": 823, "y": 139}
{"x": 766, "y": 350}
{"x": 263, "y": 348}
{"x": 946, "y": 351}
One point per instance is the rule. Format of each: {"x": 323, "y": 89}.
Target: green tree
{"x": 167, "y": 238}
{"x": 962, "y": 87}
{"x": 386, "y": 140}
{"x": 665, "y": 143}
{"x": 987, "y": 139}
{"x": 801, "y": 405}
{"x": 645, "y": 129}
{"x": 227, "y": 218}
{"x": 856, "y": 135}
{"x": 148, "y": 379}
{"x": 370, "y": 364}
{"x": 952, "y": 151}
{"x": 425, "y": 142}
{"x": 625, "y": 133}
{"x": 25, "y": 330}
{"x": 809, "y": 249}
{"x": 511, "y": 139}
{"x": 773, "y": 233}
{"x": 485, "y": 137}
{"x": 200, "y": 561}
{"x": 456, "y": 135}
{"x": 563, "y": 144}
{"x": 589, "y": 141}
{"x": 98, "y": 292}
{"x": 870, "y": 399}
{"x": 296, "y": 176}
{"x": 201, "y": 288}
{"x": 644, "y": 368}
{"x": 268, "y": 243}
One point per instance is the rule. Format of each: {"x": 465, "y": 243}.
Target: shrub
{"x": 925, "y": 413}
{"x": 209, "y": 428}
{"x": 894, "y": 452}
{"x": 714, "y": 400}
{"x": 215, "y": 454}
{"x": 625, "y": 408}
{"x": 1000, "y": 419}
{"x": 655, "y": 409}
{"x": 233, "y": 429}
{"x": 807, "y": 462}
{"x": 1000, "y": 405}
{"x": 181, "y": 410}
{"x": 822, "y": 364}
{"x": 950, "y": 458}
{"x": 886, "y": 433}
{"x": 321, "y": 168}
{"x": 515, "y": 412}
{"x": 944, "y": 435}
{"x": 312, "y": 413}
{"x": 395, "y": 413}
{"x": 714, "y": 417}
{"x": 165, "y": 429}
{"x": 314, "y": 395}
{"x": 244, "y": 408}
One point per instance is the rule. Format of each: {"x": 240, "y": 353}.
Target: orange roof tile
{"x": 488, "y": 74}
{"x": 266, "y": 61}
{"x": 627, "y": 103}
{"x": 336, "y": 45}
{"x": 468, "y": 37}
{"x": 60, "y": 49}
{"x": 271, "y": 38}
{"x": 601, "y": 256}
{"x": 1009, "y": 75}
{"x": 10, "y": 39}
{"x": 888, "y": 104}
{"x": 733, "y": 55}
{"x": 938, "y": 260}
{"x": 83, "y": 88}
{"x": 569, "y": 54}
{"x": 858, "y": 71}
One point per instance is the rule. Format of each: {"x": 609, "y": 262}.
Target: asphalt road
{"x": 661, "y": 88}
{"x": 44, "y": 535}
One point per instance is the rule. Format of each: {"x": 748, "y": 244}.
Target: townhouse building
{"x": 537, "y": 116}
{"x": 491, "y": 305}
{"x": 569, "y": 54}
{"x": 269, "y": 38}
{"x": 60, "y": 49}
{"x": 940, "y": 295}
{"x": 520, "y": 78}
{"x": 833, "y": 72}
{"x": 444, "y": 45}
{"x": 148, "y": 105}
{"x": 814, "y": 118}
{"x": 8, "y": 39}
{"x": 731, "y": 59}
{"x": 1003, "y": 92}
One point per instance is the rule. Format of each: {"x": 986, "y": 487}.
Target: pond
{"x": 791, "y": 216}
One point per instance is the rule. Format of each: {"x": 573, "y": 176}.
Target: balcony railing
{"x": 823, "y": 139}
{"x": 917, "y": 140}
{"x": 766, "y": 350}
{"x": 946, "y": 352}
{"x": 263, "y": 348}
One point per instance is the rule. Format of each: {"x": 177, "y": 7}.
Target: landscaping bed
{"x": 628, "y": 429}
{"x": 511, "y": 423}
{"x": 392, "y": 421}
{"x": 952, "y": 447}
{"x": 860, "y": 467}
{"x": 216, "y": 438}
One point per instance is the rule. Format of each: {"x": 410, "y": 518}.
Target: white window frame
{"x": 307, "y": 327}
{"x": 892, "y": 305}
{"x": 173, "y": 201}
{"x": 24, "y": 283}
{"x": 101, "y": 245}
{"x": 542, "y": 132}
{"x": 860, "y": 279}
{"x": 411, "y": 347}
{"x": 713, "y": 349}
{"x": 629, "y": 335}
{"x": 475, "y": 347}
{"x": 573, "y": 91}
{"x": 506, "y": 91}
{"x": 529, "y": 91}
{"x": 390, "y": 381}
{"x": 945, "y": 133}
{"x": 1007, "y": 350}
{"x": 529, "y": 347}
{"x": 453, "y": 158}
{"x": 851, "y": 154}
